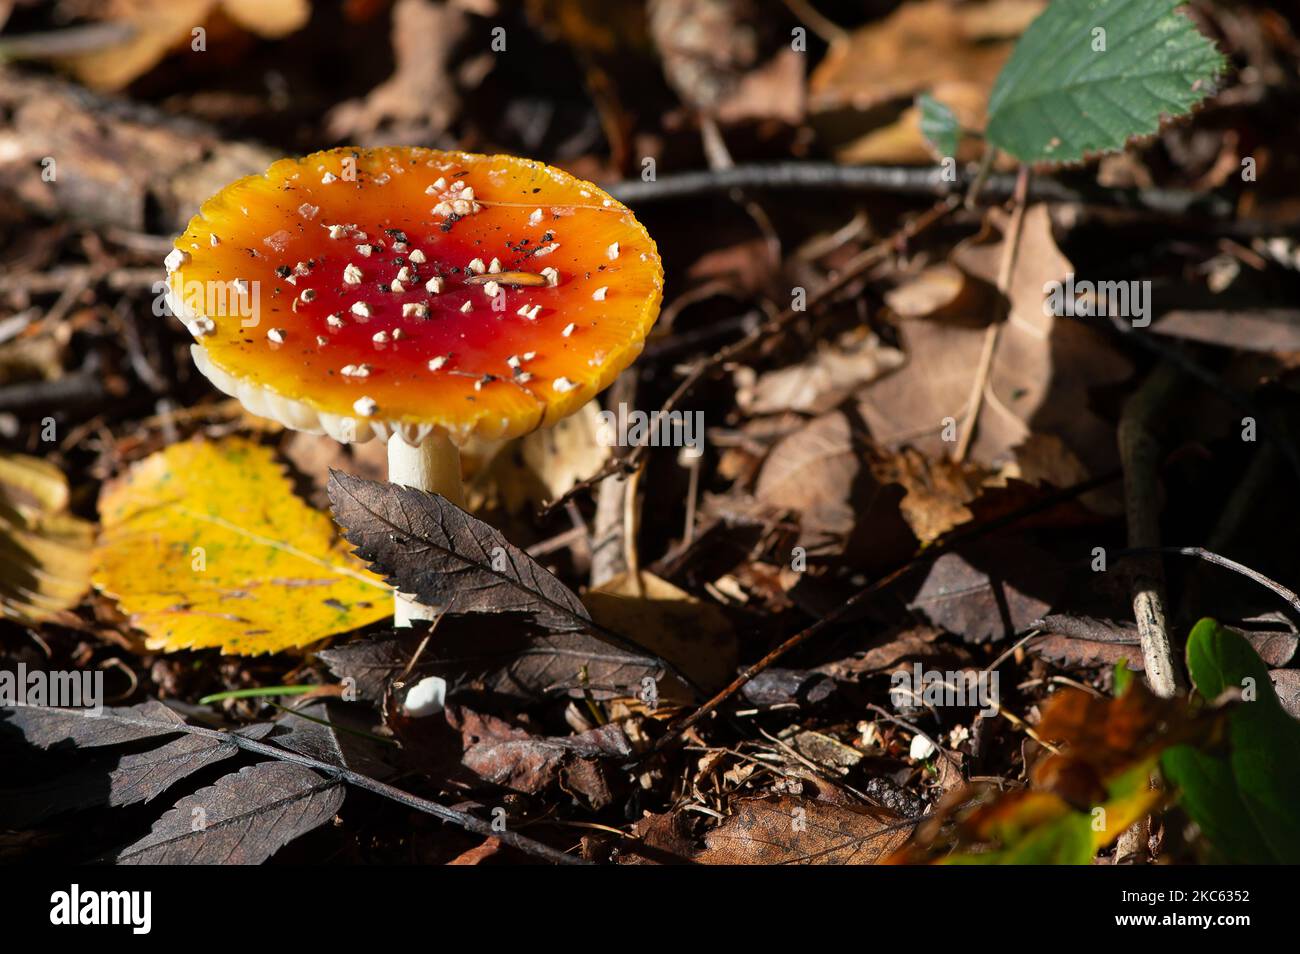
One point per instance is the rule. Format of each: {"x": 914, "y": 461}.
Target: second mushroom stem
{"x": 434, "y": 466}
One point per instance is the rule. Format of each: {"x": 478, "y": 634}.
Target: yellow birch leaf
{"x": 205, "y": 545}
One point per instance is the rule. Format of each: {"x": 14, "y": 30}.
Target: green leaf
{"x": 1123, "y": 677}
{"x": 1071, "y": 90}
{"x": 1244, "y": 799}
{"x": 939, "y": 126}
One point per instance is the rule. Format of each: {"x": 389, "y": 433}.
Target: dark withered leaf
{"x": 335, "y": 732}
{"x": 507, "y": 656}
{"x": 428, "y": 547}
{"x": 1286, "y": 683}
{"x": 46, "y": 726}
{"x": 243, "y": 819}
{"x": 1088, "y": 641}
{"x": 989, "y": 590}
{"x": 371, "y": 663}
{"x": 122, "y": 780}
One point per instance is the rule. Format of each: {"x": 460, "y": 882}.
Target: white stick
{"x": 433, "y": 466}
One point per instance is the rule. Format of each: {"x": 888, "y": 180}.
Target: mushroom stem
{"x": 434, "y": 466}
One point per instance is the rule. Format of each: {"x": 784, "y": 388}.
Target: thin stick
{"x": 460, "y": 819}
{"x": 1139, "y": 451}
{"x": 1268, "y": 583}
{"x": 929, "y": 180}
{"x": 1006, "y": 268}
{"x": 933, "y": 552}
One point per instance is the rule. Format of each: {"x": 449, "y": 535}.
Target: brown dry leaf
{"x": 898, "y": 651}
{"x": 420, "y": 100}
{"x": 937, "y": 490}
{"x": 512, "y": 758}
{"x": 694, "y": 635}
{"x": 163, "y": 26}
{"x": 315, "y": 455}
{"x": 819, "y": 472}
{"x": 1102, "y": 736}
{"x": 1040, "y": 377}
{"x": 1268, "y": 330}
{"x": 989, "y": 590}
{"x": 952, "y": 51}
{"x": 659, "y": 840}
{"x": 485, "y": 852}
{"x": 820, "y": 382}
{"x": 902, "y": 142}
{"x": 1286, "y": 682}
{"x": 785, "y": 831}
{"x": 45, "y": 552}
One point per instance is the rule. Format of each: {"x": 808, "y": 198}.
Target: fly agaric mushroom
{"x": 414, "y": 296}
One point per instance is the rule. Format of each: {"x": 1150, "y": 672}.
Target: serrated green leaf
{"x": 1060, "y": 98}
{"x": 1243, "y": 798}
{"x": 939, "y": 126}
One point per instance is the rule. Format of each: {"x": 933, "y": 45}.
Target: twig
{"x": 1139, "y": 452}
{"x": 608, "y": 556}
{"x": 825, "y": 28}
{"x": 460, "y": 819}
{"x": 1006, "y": 269}
{"x": 936, "y": 550}
{"x": 926, "y": 180}
{"x": 1268, "y": 583}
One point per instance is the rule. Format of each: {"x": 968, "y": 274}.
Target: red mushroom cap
{"x": 367, "y": 292}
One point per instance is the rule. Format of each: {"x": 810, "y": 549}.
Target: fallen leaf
{"x": 338, "y": 733}
{"x": 86, "y": 728}
{"x": 820, "y": 382}
{"x": 204, "y": 545}
{"x": 1286, "y": 683}
{"x": 371, "y": 663}
{"x": 123, "y": 779}
{"x": 243, "y": 819}
{"x": 1042, "y": 371}
{"x": 786, "y": 830}
{"x": 420, "y": 100}
{"x": 819, "y": 473}
{"x": 1268, "y": 330}
{"x": 954, "y": 52}
{"x": 45, "y": 559}
{"x": 430, "y": 548}
{"x": 517, "y": 760}
{"x": 543, "y": 465}
{"x": 478, "y": 855}
{"x": 990, "y": 590}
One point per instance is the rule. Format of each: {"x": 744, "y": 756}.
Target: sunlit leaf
{"x": 205, "y": 545}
